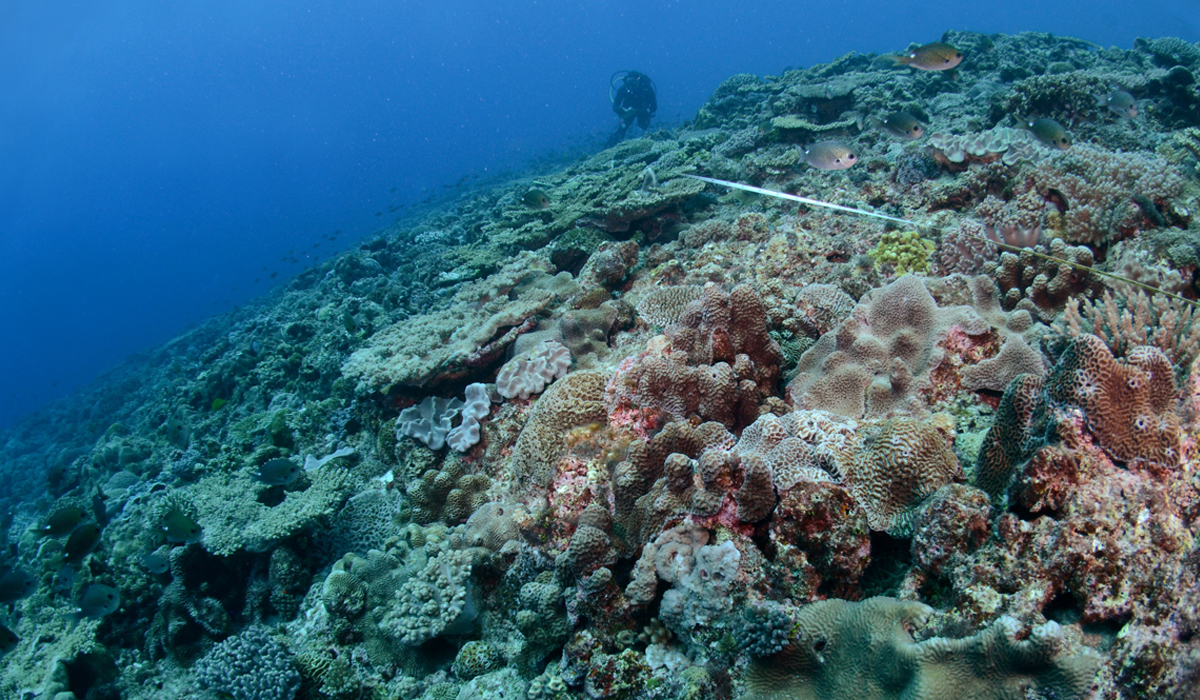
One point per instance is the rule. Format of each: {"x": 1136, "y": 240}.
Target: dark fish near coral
{"x": 63, "y": 521}
{"x": 8, "y": 640}
{"x": 536, "y": 199}
{"x": 97, "y": 600}
{"x": 15, "y": 585}
{"x": 1050, "y": 133}
{"x": 179, "y": 527}
{"x": 935, "y": 56}
{"x": 1121, "y": 103}
{"x": 830, "y": 155}
{"x": 81, "y": 543}
{"x": 278, "y": 472}
{"x": 902, "y": 125}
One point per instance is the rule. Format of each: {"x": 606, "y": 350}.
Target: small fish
{"x": 15, "y": 585}
{"x": 179, "y": 527}
{"x": 1120, "y": 102}
{"x": 8, "y": 640}
{"x": 935, "y": 56}
{"x": 63, "y": 521}
{"x": 97, "y": 600}
{"x": 81, "y": 542}
{"x": 1050, "y": 133}
{"x": 830, "y": 155}
{"x": 278, "y": 472}
{"x": 536, "y": 199}
{"x": 99, "y": 509}
{"x": 902, "y": 125}
{"x": 155, "y": 563}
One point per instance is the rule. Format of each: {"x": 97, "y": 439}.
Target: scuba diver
{"x": 637, "y": 98}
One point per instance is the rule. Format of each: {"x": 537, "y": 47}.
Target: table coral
{"x": 437, "y": 345}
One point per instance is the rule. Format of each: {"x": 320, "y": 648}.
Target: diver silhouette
{"x": 636, "y": 99}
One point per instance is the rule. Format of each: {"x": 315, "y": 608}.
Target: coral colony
{"x": 634, "y": 433}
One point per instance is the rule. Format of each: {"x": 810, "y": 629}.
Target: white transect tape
{"x": 798, "y": 198}
{"x": 1001, "y": 245}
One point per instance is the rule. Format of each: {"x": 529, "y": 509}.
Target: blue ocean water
{"x": 161, "y": 163}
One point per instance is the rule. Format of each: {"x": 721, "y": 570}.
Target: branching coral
{"x": 1105, "y": 194}
{"x": 1160, "y": 321}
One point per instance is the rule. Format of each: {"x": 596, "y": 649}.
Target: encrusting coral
{"x": 841, "y": 650}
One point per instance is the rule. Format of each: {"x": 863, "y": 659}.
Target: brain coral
{"x": 1130, "y": 405}
{"x": 574, "y": 400}
{"x": 664, "y": 305}
{"x": 900, "y": 466}
{"x": 1015, "y": 434}
{"x": 865, "y": 651}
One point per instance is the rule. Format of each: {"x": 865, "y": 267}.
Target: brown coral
{"x": 574, "y": 400}
{"x": 900, "y": 466}
{"x": 1130, "y": 405}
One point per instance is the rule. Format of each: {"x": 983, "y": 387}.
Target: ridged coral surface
{"x": 718, "y": 446}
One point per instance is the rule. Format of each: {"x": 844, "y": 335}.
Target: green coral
{"x": 906, "y": 250}
{"x": 234, "y": 518}
{"x": 865, "y": 651}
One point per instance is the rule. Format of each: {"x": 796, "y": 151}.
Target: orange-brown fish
{"x": 830, "y": 155}
{"x": 1050, "y": 133}
{"x": 1120, "y": 102}
{"x": 902, "y": 125}
{"x": 935, "y": 56}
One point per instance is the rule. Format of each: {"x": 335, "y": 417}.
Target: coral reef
{"x": 688, "y": 426}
